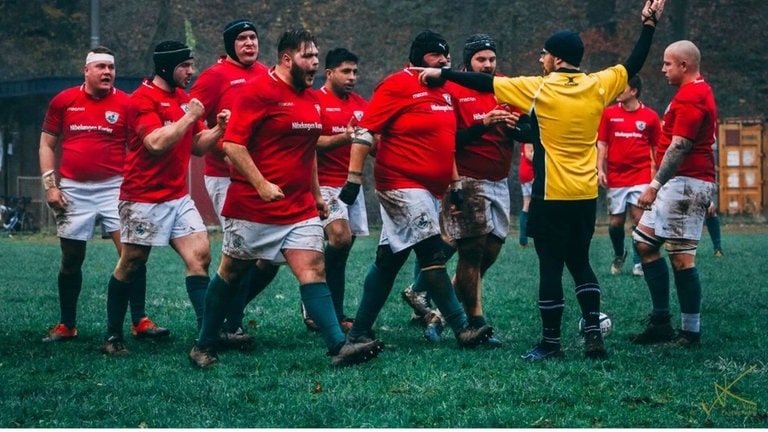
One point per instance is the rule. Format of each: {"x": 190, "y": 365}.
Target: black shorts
{"x": 570, "y": 223}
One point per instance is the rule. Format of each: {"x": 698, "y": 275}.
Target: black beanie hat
{"x": 427, "y": 42}
{"x": 567, "y": 45}
{"x": 231, "y": 31}
{"x": 474, "y": 44}
{"x": 167, "y": 56}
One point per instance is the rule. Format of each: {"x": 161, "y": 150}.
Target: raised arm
{"x": 160, "y": 140}
{"x": 650, "y": 16}
{"x": 207, "y": 138}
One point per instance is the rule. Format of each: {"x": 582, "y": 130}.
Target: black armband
{"x": 475, "y": 80}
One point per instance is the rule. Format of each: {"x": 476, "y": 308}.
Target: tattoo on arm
{"x": 673, "y": 158}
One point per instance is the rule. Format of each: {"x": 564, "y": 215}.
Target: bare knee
{"x": 339, "y": 234}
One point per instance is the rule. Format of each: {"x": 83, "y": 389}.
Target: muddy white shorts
{"x": 88, "y": 202}
{"x": 155, "y": 224}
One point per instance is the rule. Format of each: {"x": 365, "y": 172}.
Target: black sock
{"x": 588, "y": 295}
{"x": 196, "y": 287}
{"x": 551, "y": 320}
{"x": 117, "y": 305}
{"x": 69, "y": 291}
{"x": 138, "y": 295}
{"x": 617, "y": 239}
{"x": 688, "y": 287}
{"x": 335, "y": 275}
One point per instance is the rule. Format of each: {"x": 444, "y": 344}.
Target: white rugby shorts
{"x": 155, "y": 224}
{"x": 618, "y": 198}
{"x": 355, "y": 214}
{"x": 680, "y": 209}
{"x": 88, "y": 202}
{"x": 246, "y": 240}
{"x": 408, "y": 216}
{"x": 217, "y": 190}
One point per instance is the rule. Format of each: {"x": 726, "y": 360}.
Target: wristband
{"x": 49, "y": 179}
{"x": 355, "y": 177}
{"x": 655, "y": 185}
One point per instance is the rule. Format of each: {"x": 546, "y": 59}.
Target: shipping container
{"x": 741, "y": 167}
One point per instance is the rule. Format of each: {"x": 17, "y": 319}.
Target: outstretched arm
{"x": 475, "y": 80}
{"x": 650, "y": 16}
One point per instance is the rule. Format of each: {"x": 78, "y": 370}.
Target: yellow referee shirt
{"x": 566, "y": 106}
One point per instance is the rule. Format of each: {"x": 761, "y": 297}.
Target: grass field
{"x": 287, "y": 381}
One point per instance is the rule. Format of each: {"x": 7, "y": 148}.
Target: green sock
{"x": 317, "y": 300}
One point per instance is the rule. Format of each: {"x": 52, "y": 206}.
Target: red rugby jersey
{"x": 93, "y": 133}
{"x": 209, "y": 88}
{"x": 692, "y": 114}
{"x": 335, "y": 113}
{"x": 525, "y": 171}
{"x": 490, "y": 156}
{"x": 418, "y": 128}
{"x": 629, "y": 137}
{"x": 280, "y": 127}
{"x": 156, "y": 178}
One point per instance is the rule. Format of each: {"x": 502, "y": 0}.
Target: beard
{"x": 435, "y": 82}
{"x": 298, "y": 77}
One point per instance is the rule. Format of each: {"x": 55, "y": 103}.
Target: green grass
{"x": 287, "y": 381}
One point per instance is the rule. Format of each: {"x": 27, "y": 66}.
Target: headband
{"x": 99, "y": 57}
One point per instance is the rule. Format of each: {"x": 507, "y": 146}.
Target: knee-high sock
{"x": 657, "y": 277}
{"x": 317, "y": 300}
{"x": 689, "y": 295}
{"x": 713, "y": 226}
{"x": 335, "y": 275}
{"x": 376, "y": 290}
{"x": 69, "y": 291}
{"x": 551, "y": 299}
{"x": 551, "y": 312}
{"x": 418, "y": 286}
{"x": 523, "y": 240}
{"x": 617, "y": 239}
{"x": 588, "y": 295}
{"x": 196, "y": 287}
{"x": 441, "y": 290}
{"x": 218, "y": 296}
{"x": 138, "y": 295}
{"x": 117, "y": 305}
{"x": 254, "y": 282}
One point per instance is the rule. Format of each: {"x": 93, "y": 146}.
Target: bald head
{"x": 685, "y": 50}
{"x": 681, "y": 62}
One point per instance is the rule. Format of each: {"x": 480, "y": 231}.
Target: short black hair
{"x": 101, "y": 50}
{"x": 337, "y": 56}
{"x": 293, "y": 40}
{"x": 637, "y": 84}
